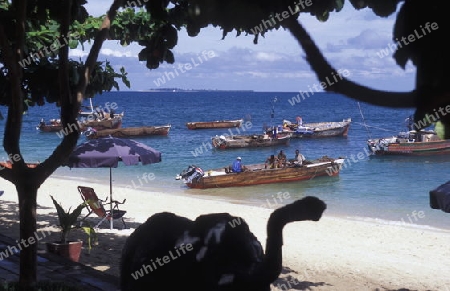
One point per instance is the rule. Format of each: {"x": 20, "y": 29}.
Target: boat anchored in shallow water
{"x": 249, "y": 141}
{"x": 141, "y": 131}
{"x": 414, "y": 143}
{"x": 214, "y": 124}
{"x": 317, "y": 129}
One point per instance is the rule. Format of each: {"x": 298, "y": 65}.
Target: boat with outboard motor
{"x": 256, "y": 174}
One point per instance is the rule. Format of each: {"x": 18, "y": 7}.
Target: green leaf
{"x": 73, "y": 43}
{"x": 440, "y": 130}
{"x": 91, "y": 235}
{"x": 339, "y": 5}
{"x": 126, "y": 82}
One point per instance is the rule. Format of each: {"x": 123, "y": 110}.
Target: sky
{"x": 358, "y": 43}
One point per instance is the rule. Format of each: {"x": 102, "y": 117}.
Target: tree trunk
{"x": 28, "y": 254}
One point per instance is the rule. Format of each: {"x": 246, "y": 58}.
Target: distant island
{"x": 193, "y": 90}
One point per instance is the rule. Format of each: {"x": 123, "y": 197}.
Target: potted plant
{"x": 68, "y": 221}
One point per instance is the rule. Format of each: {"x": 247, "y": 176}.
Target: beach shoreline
{"x": 334, "y": 253}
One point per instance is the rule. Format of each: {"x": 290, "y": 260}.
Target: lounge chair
{"x": 96, "y": 205}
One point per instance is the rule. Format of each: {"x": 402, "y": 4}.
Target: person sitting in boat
{"x": 298, "y": 160}
{"x": 281, "y": 159}
{"x": 100, "y": 114}
{"x": 271, "y": 162}
{"x": 237, "y": 166}
{"x": 409, "y": 122}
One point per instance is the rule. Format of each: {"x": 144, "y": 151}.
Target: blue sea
{"x": 391, "y": 190}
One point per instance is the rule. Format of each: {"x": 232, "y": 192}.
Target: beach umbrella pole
{"x": 110, "y": 199}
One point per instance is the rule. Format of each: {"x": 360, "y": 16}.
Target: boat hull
{"x": 257, "y": 175}
{"x": 248, "y": 141}
{"x": 414, "y": 149}
{"x": 111, "y": 123}
{"x": 49, "y": 128}
{"x": 214, "y": 124}
{"x": 130, "y": 132}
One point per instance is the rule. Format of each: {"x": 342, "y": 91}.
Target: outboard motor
{"x": 191, "y": 173}
{"x": 198, "y": 173}
{"x": 187, "y": 172}
{"x": 90, "y": 131}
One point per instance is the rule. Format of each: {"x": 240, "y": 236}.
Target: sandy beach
{"x": 331, "y": 254}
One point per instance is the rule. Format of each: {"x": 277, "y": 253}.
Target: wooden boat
{"x": 102, "y": 124}
{"x": 107, "y": 123}
{"x": 214, "y": 124}
{"x": 129, "y": 131}
{"x": 97, "y": 112}
{"x": 317, "y": 129}
{"x": 248, "y": 141}
{"x": 256, "y": 174}
{"x": 54, "y": 125}
{"x": 425, "y": 142}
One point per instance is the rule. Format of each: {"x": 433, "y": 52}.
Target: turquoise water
{"x": 389, "y": 189}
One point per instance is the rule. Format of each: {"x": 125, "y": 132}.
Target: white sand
{"x": 331, "y": 254}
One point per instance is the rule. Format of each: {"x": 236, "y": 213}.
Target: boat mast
{"x": 92, "y": 107}
{"x": 272, "y": 114}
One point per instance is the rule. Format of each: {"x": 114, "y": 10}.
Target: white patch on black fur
{"x": 226, "y": 279}
{"x": 213, "y": 236}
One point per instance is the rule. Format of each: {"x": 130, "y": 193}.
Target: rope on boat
{"x": 364, "y": 121}
{"x": 380, "y": 128}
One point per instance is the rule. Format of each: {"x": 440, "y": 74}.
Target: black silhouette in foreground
{"x": 214, "y": 252}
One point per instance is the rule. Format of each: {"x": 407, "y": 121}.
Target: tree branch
{"x": 95, "y": 49}
{"x": 325, "y": 72}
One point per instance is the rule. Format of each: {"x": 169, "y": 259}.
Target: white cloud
{"x": 267, "y": 57}
{"x": 77, "y": 53}
{"x": 367, "y": 39}
{"x": 116, "y": 53}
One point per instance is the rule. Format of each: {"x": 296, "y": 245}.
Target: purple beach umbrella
{"x": 108, "y": 151}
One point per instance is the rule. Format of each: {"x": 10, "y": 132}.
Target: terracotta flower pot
{"x": 70, "y": 250}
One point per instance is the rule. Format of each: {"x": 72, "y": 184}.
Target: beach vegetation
{"x": 35, "y": 68}
{"x": 69, "y": 220}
